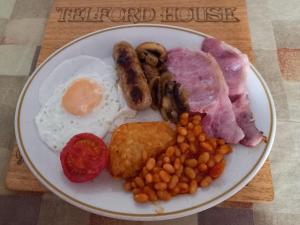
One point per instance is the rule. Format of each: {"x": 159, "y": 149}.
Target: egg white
{"x": 56, "y": 126}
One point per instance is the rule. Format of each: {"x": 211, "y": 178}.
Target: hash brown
{"x": 133, "y": 143}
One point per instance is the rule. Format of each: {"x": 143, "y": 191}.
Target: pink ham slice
{"x": 202, "y": 78}
{"x": 234, "y": 66}
{"x": 245, "y": 120}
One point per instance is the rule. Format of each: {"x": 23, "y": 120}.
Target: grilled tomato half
{"x": 83, "y": 157}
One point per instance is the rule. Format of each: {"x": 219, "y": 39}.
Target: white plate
{"x": 104, "y": 195}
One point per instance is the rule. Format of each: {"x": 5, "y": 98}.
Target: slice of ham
{"x": 234, "y": 66}
{"x": 245, "y": 120}
{"x": 202, "y": 78}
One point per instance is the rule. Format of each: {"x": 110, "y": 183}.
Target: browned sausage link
{"x": 132, "y": 78}
{"x": 136, "y": 94}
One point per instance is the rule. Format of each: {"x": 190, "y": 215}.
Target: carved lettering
{"x": 184, "y": 14}
{"x": 92, "y": 15}
{"x": 229, "y": 15}
{"x": 214, "y": 14}
{"x": 117, "y": 14}
{"x": 147, "y": 14}
{"x": 62, "y": 14}
{"x": 199, "y": 14}
{"x": 168, "y": 14}
{"x": 80, "y": 14}
{"x": 133, "y": 15}
{"x": 104, "y": 14}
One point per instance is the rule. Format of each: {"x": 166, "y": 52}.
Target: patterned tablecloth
{"x": 275, "y": 33}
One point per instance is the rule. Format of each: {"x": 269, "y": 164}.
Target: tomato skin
{"x": 217, "y": 170}
{"x": 84, "y": 157}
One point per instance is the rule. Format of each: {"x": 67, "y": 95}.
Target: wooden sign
{"x": 69, "y": 19}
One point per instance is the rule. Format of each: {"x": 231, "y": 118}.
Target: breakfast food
{"x": 81, "y": 97}
{"x": 131, "y": 76}
{"x": 232, "y": 62}
{"x": 234, "y": 66}
{"x": 246, "y": 121}
{"x": 89, "y": 101}
{"x": 133, "y": 143}
{"x": 152, "y": 56}
{"x": 201, "y": 76}
{"x": 202, "y": 93}
{"x": 167, "y": 95}
{"x": 83, "y": 157}
{"x": 194, "y": 161}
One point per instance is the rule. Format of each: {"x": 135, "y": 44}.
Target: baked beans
{"x": 194, "y": 161}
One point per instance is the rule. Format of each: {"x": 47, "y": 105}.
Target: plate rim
{"x": 152, "y": 216}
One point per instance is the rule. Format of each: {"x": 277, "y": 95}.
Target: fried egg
{"x": 86, "y": 100}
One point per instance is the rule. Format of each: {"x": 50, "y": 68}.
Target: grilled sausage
{"x": 131, "y": 76}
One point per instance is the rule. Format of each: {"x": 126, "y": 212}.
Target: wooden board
{"x": 69, "y": 19}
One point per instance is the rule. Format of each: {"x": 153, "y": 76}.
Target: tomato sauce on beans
{"x": 194, "y": 161}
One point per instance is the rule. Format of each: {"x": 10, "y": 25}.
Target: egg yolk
{"x": 81, "y": 97}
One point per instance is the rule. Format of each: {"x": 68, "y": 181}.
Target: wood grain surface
{"x": 226, "y": 20}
